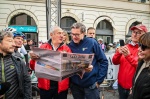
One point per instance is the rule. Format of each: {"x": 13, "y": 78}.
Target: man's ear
{"x": 51, "y": 34}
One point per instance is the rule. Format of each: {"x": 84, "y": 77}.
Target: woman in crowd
{"x": 141, "y": 81}
{"x": 65, "y": 37}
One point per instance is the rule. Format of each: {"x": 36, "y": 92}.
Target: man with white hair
{"x": 50, "y": 89}
{"x": 100, "y": 41}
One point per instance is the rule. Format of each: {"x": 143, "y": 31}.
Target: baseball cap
{"x": 139, "y": 27}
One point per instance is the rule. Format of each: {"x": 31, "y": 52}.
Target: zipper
{"x": 3, "y": 73}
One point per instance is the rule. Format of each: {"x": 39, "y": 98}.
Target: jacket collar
{"x": 50, "y": 43}
{"x": 7, "y": 56}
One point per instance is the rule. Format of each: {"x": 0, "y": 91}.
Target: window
{"x": 104, "y": 30}
{"x": 104, "y": 24}
{"x": 67, "y": 21}
{"x": 22, "y": 19}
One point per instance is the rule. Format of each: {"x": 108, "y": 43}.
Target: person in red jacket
{"x": 127, "y": 57}
{"x": 50, "y": 89}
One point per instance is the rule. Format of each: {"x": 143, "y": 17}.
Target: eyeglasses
{"x": 136, "y": 32}
{"x": 76, "y": 35}
{"x": 143, "y": 47}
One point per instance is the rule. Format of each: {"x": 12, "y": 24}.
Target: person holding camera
{"x": 142, "y": 76}
{"x": 126, "y": 57}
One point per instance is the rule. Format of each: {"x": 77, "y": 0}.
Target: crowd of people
{"x": 133, "y": 59}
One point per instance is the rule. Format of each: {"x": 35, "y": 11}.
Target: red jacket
{"x": 127, "y": 66}
{"x": 45, "y": 83}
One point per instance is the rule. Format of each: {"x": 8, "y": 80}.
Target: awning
{"x": 25, "y": 28}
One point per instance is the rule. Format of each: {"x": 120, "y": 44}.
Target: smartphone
{"x": 121, "y": 42}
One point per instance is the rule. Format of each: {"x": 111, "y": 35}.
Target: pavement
{"x": 106, "y": 93}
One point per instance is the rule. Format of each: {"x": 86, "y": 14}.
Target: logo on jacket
{"x": 83, "y": 49}
{"x": 12, "y": 67}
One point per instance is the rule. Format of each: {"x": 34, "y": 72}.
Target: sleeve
{"x": 26, "y": 83}
{"x": 32, "y": 64}
{"x": 103, "y": 62}
{"x": 116, "y": 58}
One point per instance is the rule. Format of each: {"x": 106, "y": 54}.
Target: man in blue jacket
{"x": 86, "y": 88}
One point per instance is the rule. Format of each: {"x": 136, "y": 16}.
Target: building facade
{"x": 111, "y": 18}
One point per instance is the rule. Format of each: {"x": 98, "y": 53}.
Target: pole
{"x": 58, "y": 12}
{"x": 48, "y": 16}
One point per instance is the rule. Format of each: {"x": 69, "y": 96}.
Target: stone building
{"x": 111, "y": 18}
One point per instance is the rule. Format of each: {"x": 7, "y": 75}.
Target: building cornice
{"x": 105, "y": 7}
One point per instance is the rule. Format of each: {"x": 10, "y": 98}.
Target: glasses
{"x": 143, "y": 47}
{"x": 136, "y": 32}
{"x": 76, "y": 35}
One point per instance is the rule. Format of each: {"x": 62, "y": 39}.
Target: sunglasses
{"x": 143, "y": 47}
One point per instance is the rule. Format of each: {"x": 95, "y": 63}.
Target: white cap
{"x": 100, "y": 39}
{"x": 110, "y": 44}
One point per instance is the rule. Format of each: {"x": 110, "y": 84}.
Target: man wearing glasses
{"x": 127, "y": 57}
{"x": 87, "y": 87}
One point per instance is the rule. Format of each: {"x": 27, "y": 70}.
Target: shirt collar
{"x": 132, "y": 43}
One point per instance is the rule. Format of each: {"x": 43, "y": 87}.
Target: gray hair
{"x": 79, "y": 26}
{"x": 5, "y": 34}
{"x": 53, "y": 28}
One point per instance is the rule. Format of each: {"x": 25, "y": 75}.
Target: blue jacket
{"x": 100, "y": 62}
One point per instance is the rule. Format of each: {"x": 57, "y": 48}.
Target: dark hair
{"x": 28, "y": 40}
{"x": 5, "y": 34}
{"x": 145, "y": 39}
{"x": 90, "y": 28}
{"x": 79, "y": 26}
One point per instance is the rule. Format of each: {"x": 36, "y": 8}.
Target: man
{"x": 87, "y": 86}
{"x": 19, "y": 48}
{"x": 126, "y": 57}
{"x": 50, "y": 89}
{"x": 13, "y": 69}
{"x": 29, "y": 44}
{"x": 91, "y": 32}
{"x": 100, "y": 41}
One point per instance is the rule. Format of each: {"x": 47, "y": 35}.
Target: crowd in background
{"x": 132, "y": 76}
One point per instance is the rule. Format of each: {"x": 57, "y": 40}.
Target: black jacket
{"x": 141, "y": 88}
{"x": 23, "y": 78}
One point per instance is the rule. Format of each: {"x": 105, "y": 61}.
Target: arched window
{"x": 66, "y": 23}
{"x": 104, "y": 30}
{"x": 26, "y": 24}
{"x": 104, "y": 25}
{"x": 22, "y": 19}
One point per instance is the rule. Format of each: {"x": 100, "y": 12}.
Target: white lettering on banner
{"x": 112, "y": 72}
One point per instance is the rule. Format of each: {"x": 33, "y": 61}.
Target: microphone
{"x": 4, "y": 87}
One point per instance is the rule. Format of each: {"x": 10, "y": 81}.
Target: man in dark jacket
{"x": 29, "y": 44}
{"x": 13, "y": 70}
{"x": 87, "y": 86}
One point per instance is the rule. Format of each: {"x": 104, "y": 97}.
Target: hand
{"x": 89, "y": 69}
{"x": 33, "y": 55}
{"x": 1, "y": 96}
{"x": 124, "y": 50}
{"x": 119, "y": 50}
{"x": 97, "y": 85}
{"x": 130, "y": 91}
